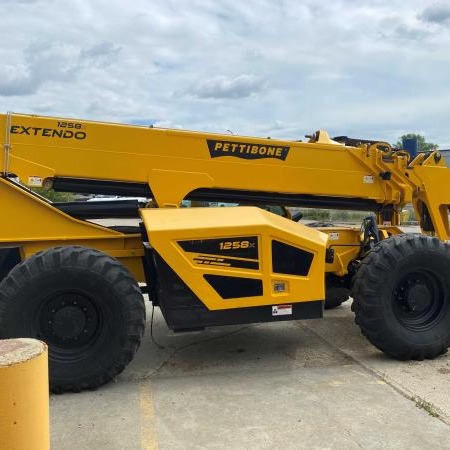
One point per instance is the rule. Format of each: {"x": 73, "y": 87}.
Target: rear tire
{"x": 84, "y": 304}
{"x": 402, "y": 297}
{"x": 336, "y": 290}
{"x": 335, "y": 296}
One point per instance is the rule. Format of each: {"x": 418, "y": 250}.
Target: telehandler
{"x": 79, "y": 286}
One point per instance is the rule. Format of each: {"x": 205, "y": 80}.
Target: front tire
{"x": 402, "y": 297}
{"x": 84, "y": 304}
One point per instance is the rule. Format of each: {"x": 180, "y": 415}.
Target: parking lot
{"x": 308, "y": 384}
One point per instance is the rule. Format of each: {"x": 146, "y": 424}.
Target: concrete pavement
{"x": 311, "y": 384}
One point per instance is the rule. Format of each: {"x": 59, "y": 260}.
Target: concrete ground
{"x": 314, "y": 384}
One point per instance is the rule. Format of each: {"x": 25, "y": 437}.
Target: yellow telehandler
{"x": 79, "y": 286}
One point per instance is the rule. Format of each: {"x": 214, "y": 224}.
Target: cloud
{"x": 364, "y": 68}
{"x": 100, "y": 55}
{"x": 21, "y": 1}
{"x": 16, "y": 80}
{"x": 407, "y": 32}
{"x": 224, "y": 87}
{"x": 43, "y": 62}
{"x": 437, "y": 13}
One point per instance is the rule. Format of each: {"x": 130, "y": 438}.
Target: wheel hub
{"x": 418, "y": 300}
{"x": 69, "y": 320}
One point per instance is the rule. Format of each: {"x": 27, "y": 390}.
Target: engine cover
{"x": 237, "y": 257}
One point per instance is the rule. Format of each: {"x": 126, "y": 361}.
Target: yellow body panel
{"x": 167, "y": 228}
{"x": 345, "y": 242}
{"x": 346, "y": 245}
{"x": 36, "y": 225}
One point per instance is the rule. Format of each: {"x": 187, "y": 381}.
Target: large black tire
{"x": 337, "y": 290}
{"x": 335, "y": 296}
{"x": 84, "y": 304}
{"x": 402, "y": 297}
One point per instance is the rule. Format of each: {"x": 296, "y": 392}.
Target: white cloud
{"x": 224, "y": 87}
{"x": 102, "y": 55}
{"x": 368, "y": 68}
{"x": 16, "y": 80}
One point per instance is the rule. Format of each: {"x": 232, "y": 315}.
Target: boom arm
{"x": 171, "y": 165}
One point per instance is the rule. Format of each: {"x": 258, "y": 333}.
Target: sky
{"x": 372, "y": 69}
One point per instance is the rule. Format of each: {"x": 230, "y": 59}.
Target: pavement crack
{"x": 352, "y": 438}
{"x": 178, "y": 350}
{"x": 432, "y": 409}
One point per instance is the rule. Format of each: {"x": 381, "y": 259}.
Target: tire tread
{"x": 85, "y": 259}
{"x": 366, "y": 302}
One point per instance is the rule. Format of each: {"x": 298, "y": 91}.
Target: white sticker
{"x": 387, "y": 223}
{"x": 368, "y": 179}
{"x": 35, "y": 181}
{"x": 282, "y": 310}
{"x": 333, "y": 236}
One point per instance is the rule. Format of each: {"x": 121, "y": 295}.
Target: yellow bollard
{"x": 24, "y": 396}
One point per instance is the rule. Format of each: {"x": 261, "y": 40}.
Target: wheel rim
{"x": 418, "y": 301}
{"x": 68, "y": 321}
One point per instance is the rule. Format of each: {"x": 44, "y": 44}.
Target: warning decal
{"x": 282, "y": 310}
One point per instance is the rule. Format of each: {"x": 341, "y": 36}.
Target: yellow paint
{"x": 346, "y": 245}
{"x": 166, "y": 227}
{"x": 37, "y": 225}
{"x": 24, "y": 395}
{"x": 148, "y": 424}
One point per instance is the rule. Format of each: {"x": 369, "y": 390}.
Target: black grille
{"x": 290, "y": 260}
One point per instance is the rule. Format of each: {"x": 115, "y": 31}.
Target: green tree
{"x": 53, "y": 196}
{"x": 424, "y": 146}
